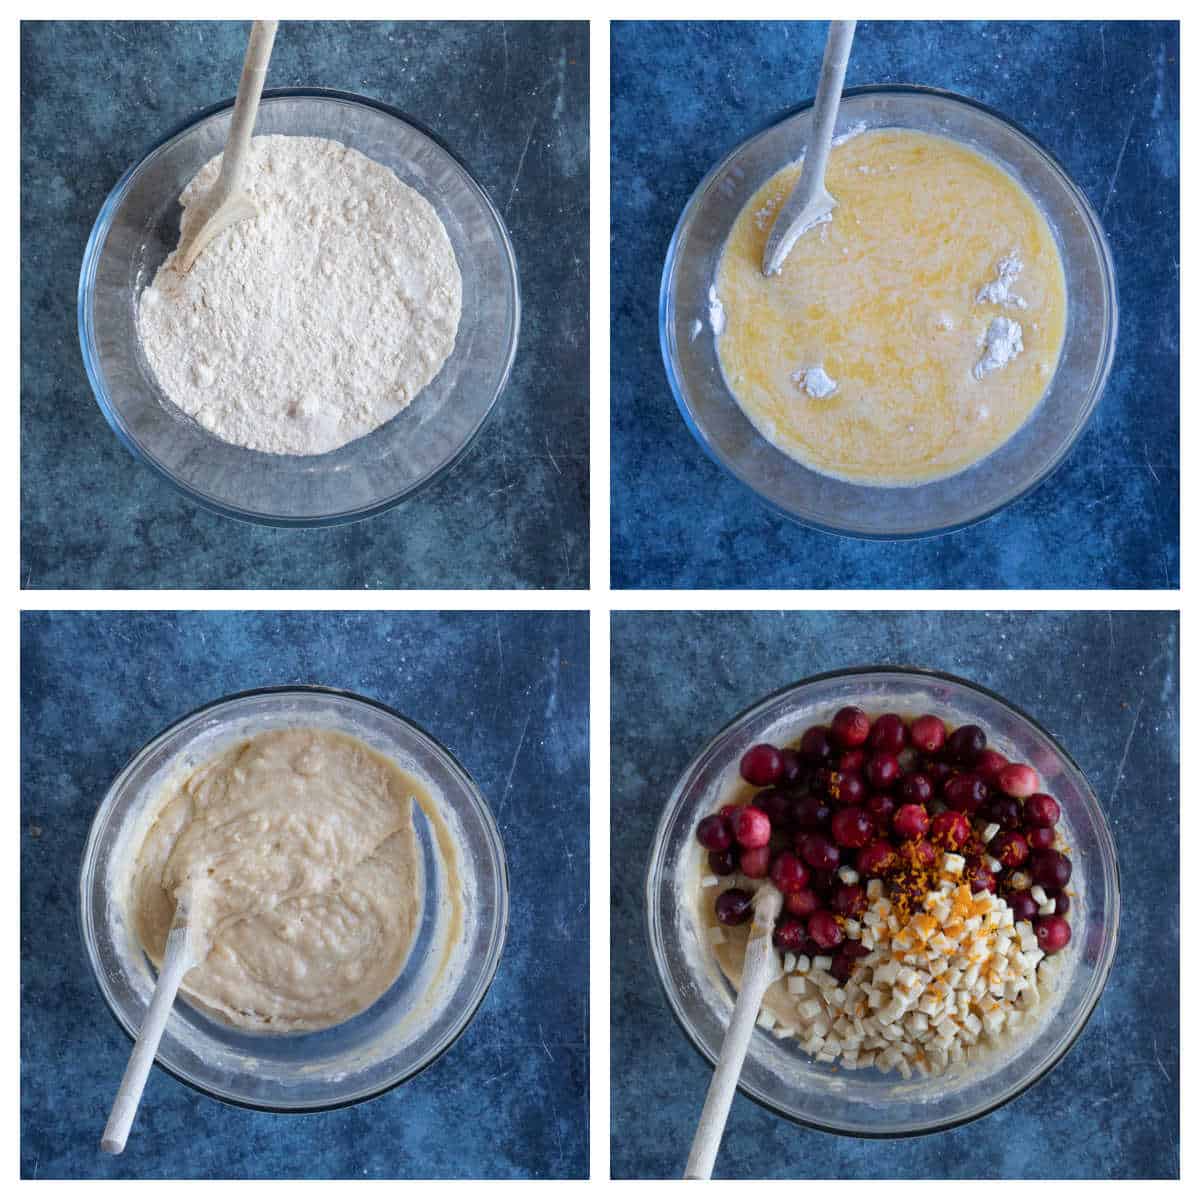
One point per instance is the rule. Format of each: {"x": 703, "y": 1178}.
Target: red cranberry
{"x": 938, "y": 772}
{"x": 965, "y": 745}
{"x": 756, "y": 862}
{"x": 888, "y": 734}
{"x": 818, "y": 851}
{"x": 1053, "y": 933}
{"x": 852, "y": 949}
{"x": 988, "y": 765}
{"x": 788, "y": 873}
{"x": 1023, "y": 905}
{"x": 803, "y": 903}
{"x": 823, "y": 882}
{"x": 852, "y": 762}
{"x": 811, "y": 948}
{"x": 882, "y": 771}
{"x": 777, "y": 804}
{"x": 919, "y": 853}
{"x": 950, "y": 829}
{"x": 1051, "y": 869}
{"x": 847, "y": 789}
{"x": 751, "y": 827}
{"x": 1010, "y": 848}
{"x": 916, "y": 789}
{"x": 1017, "y": 780}
{"x": 722, "y": 862}
{"x": 762, "y": 765}
{"x": 980, "y": 879}
{"x": 824, "y": 930}
{"x": 789, "y": 934}
{"x": 1062, "y": 903}
{"x": 973, "y": 848}
{"x": 1005, "y": 811}
{"x": 810, "y": 812}
{"x": 841, "y": 967}
{"x": 1042, "y": 810}
{"x": 911, "y": 821}
{"x": 734, "y": 907}
{"x": 852, "y": 827}
{"x": 876, "y": 859}
{"x": 815, "y": 746}
{"x": 1041, "y": 838}
{"x": 965, "y": 793}
{"x": 882, "y": 808}
{"x": 849, "y": 900}
{"x": 727, "y": 811}
{"x": 850, "y": 727}
{"x": 928, "y": 734}
{"x": 793, "y": 767}
{"x": 713, "y": 833}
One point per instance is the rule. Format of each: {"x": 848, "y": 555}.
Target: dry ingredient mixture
{"x": 317, "y": 321}
{"x": 299, "y": 852}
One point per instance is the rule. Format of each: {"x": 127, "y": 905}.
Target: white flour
{"x": 815, "y": 381}
{"x": 999, "y": 291}
{"x": 1002, "y": 343}
{"x": 317, "y": 321}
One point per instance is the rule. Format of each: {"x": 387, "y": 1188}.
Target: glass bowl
{"x": 393, "y": 1039}
{"x": 836, "y": 506}
{"x": 138, "y": 227}
{"x": 777, "y": 1073}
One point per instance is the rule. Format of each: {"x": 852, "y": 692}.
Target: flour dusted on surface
{"x": 1002, "y": 343}
{"x": 317, "y": 321}
{"x": 815, "y": 381}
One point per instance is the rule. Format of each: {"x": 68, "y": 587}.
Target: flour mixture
{"x": 314, "y": 323}
{"x": 299, "y": 848}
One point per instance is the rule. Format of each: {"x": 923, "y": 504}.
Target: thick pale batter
{"x": 299, "y": 849}
{"x": 885, "y": 301}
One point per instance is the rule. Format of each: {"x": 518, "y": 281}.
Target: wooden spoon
{"x": 759, "y": 971}
{"x": 226, "y": 203}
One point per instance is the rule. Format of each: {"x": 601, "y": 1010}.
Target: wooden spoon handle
{"x": 825, "y": 107}
{"x": 758, "y": 972}
{"x": 245, "y": 108}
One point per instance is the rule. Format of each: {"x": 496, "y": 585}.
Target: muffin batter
{"x": 299, "y": 850}
{"x": 910, "y": 336}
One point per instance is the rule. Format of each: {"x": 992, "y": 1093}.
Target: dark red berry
{"x": 751, "y": 827}
{"x": 1010, "y": 848}
{"x": 1041, "y": 838}
{"x": 823, "y": 882}
{"x": 762, "y": 765}
{"x": 847, "y": 789}
{"x": 850, "y": 727}
{"x": 1017, "y": 779}
{"x": 723, "y": 862}
{"x": 713, "y": 833}
{"x": 882, "y": 808}
{"x": 853, "y": 828}
{"x": 989, "y": 765}
{"x": 852, "y": 762}
{"x": 928, "y": 734}
{"x": 810, "y": 812}
{"x": 965, "y": 793}
{"x": 938, "y": 772}
{"x": 815, "y": 746}
{"x": 849, "y": 900}
{"x": 788, "y": 873}
{"x": 793, "y": 767}
{"x": 950, "y": 830}
{"x": 916, "y": 788}
{"x": 1005, "y": 811}
{"x": 824, "y": 930}
{"x": 980, "y": 879}
{"x": 1062, "y": 903}
{"x": 882, "y": 771}
{"x": 818, "y": 851}
{"x": 1053, "y": 933}
{"x": 727, "y": 811}
{"x": 919, "y": 853}
{"x": 911, "y": 821}
{"x": 965, "y": 745}
{"x": 777, "y": 804}
{"x": 1042, "y": 810}
{"x": 1051, "y": 869}
{"x": 888, "y": 734}
{"x": 852, "y": 949}
{"x": 876, "y": 859}
{"x": 734, "y": 907}
{"x": 789, "y": 934}
{"x": 841, "y": 967}
{"x": 756, "y": 862}
{"x": 803, "y": 903}
{"x": 1023, "y": 905}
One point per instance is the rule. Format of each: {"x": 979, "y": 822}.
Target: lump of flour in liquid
{"x": 815, "y": 381}
{"x": 317, "y": 321}
{"x": 1002, "y": 343}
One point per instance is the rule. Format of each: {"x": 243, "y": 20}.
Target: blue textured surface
{"x": 1104, "y": 98}
{"x": 1106, "y": 685}
{"x": 507, "y": 694}
{"x": 512, "y": 102}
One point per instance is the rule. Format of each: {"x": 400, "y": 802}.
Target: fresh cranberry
{"x": 1042, "y": 810}
{"x": 850, "y": 727}
{"x": 788, "y": 873}
{"x": 852, "y": 827}
{"x": 811, "y": 948}
{"x": 852, "y": 949}
{"x": 1017, "y": 780}
{"x": 980, "y": 879}
{"x": 1062, "y": 903}
{"x": 777, "y": 804}
{"x": 965, "y": 793}
{"x": 849, "y": 900}
{"x": 823, "y": 882}
{"x": 950, "y": 829}
{"x": 727, "y": 811}
{"x": 1010, "y": 848}
{"x": 938, "y": 772}
{"x": 876, "y": 859}
{"x": 882, "y": 807}
{"x": 888, "y": 734}
{"x": 815, "y": 746}
{"x": 751, "y": 827}
{"x": 919, "y": 853}
{"x": 852, "y": 762}
{"x": 847, "y": 789}
{"x": 841, "y": 967}
{"x": 789, "y": 934}
{"x": 824, "y": 930}
{"x": 762, "y": 765}
{"x": 1053, "y": 933}
{"x": 882, "y": 771}
{"x": 916, "y": 788}
{"x": 965, "y": 745}
{"x": 818, "y": 851}
{"x": 1041, "y": 838}
{"x": 1005, "y": 811}
{"x": 1023, "y": 905}
{"x": 810, "y": 812}
{"x": 1051, "y": 869}
{"x": 793, "y": 767}
{"x": 928, "y": 734}
{"x": 723, "y": 862}
{"x": 734, "y": 907}
{"x": 988, "y": 765}
{"x": 713, "y": 833}
{"x": 973, "y": 849}
{"x": 803, "y": 903}
{"x": 911, "y": 821}
{"x": 756, "y": 862}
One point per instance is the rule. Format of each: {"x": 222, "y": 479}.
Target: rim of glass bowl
{"x": 1096, "y": 985}
{"x": 500, "y": 922}
{"x": 91, "y": 258}
{"x": 1099, "y": 378}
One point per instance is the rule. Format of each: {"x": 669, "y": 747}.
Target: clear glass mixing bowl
{"x": 777, "y": 1072}
{"x": 374, "y": 1051}
{"x": 139, "y": 226}
{"x": 725, "y": 432}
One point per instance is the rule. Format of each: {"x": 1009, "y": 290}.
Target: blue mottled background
{"x": 1107, "y": 686}
{"x": 508, "y": 694}
{"x": 511, "y": 100}
{"x": 1104, "y": 98}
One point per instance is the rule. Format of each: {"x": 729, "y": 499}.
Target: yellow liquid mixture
{"x": 884, "y": 298}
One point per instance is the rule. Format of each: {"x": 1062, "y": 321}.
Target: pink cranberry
{"x": 965, "y": 745}
{"x": 803, "y": 903}
{"x": 876, "y": 859}
{"x": 1023, "y": 905}
{"x": 980, "y": 879}
{"x": 1042, "y": 810}
{"x": 762, "y": 765}
{"x": 888, "y": 734}
{"x": 882, "y": 808}
{"x": 882, "y": 771}
{"x": 846, "y": 789}
{"x": 824, "y": 930}
{"x": 850, "y": 727}
{"x": 818, "y": 851}
{"x": 788, "y": 873}
{"x": 950, "y": 829}
{"x": 852, "y": 827}
{"x": 1053, "y": 933}
{"x": 965, "y": 793}
{"x": 1051, "y": 869}
{"x": 777, "y": 804}
{"x": 1010, "y": 848}
{"x": 793, "y": 767}
{"x": 734, "y": 907}
{"x": 911, "y": 821}
{"x": 1005, "y": 811}
{"x": 849, "y": 900}
{"x": 810, "y": 812}
{"x": 751, "y": 827}
{"x": 928, "y": 734}
{"x": 852, "y": 762}
{"x": 713, "y": 833}
{"x": 815, "y": 746}
{"x": 988, "y": 765}
{"x": 1017, "y": 780}
{"x": 916, "y": 788}
{"x": 789, "y": 934}
{"x": 1041, "y": 838}
{"x": 756, "y": 862}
